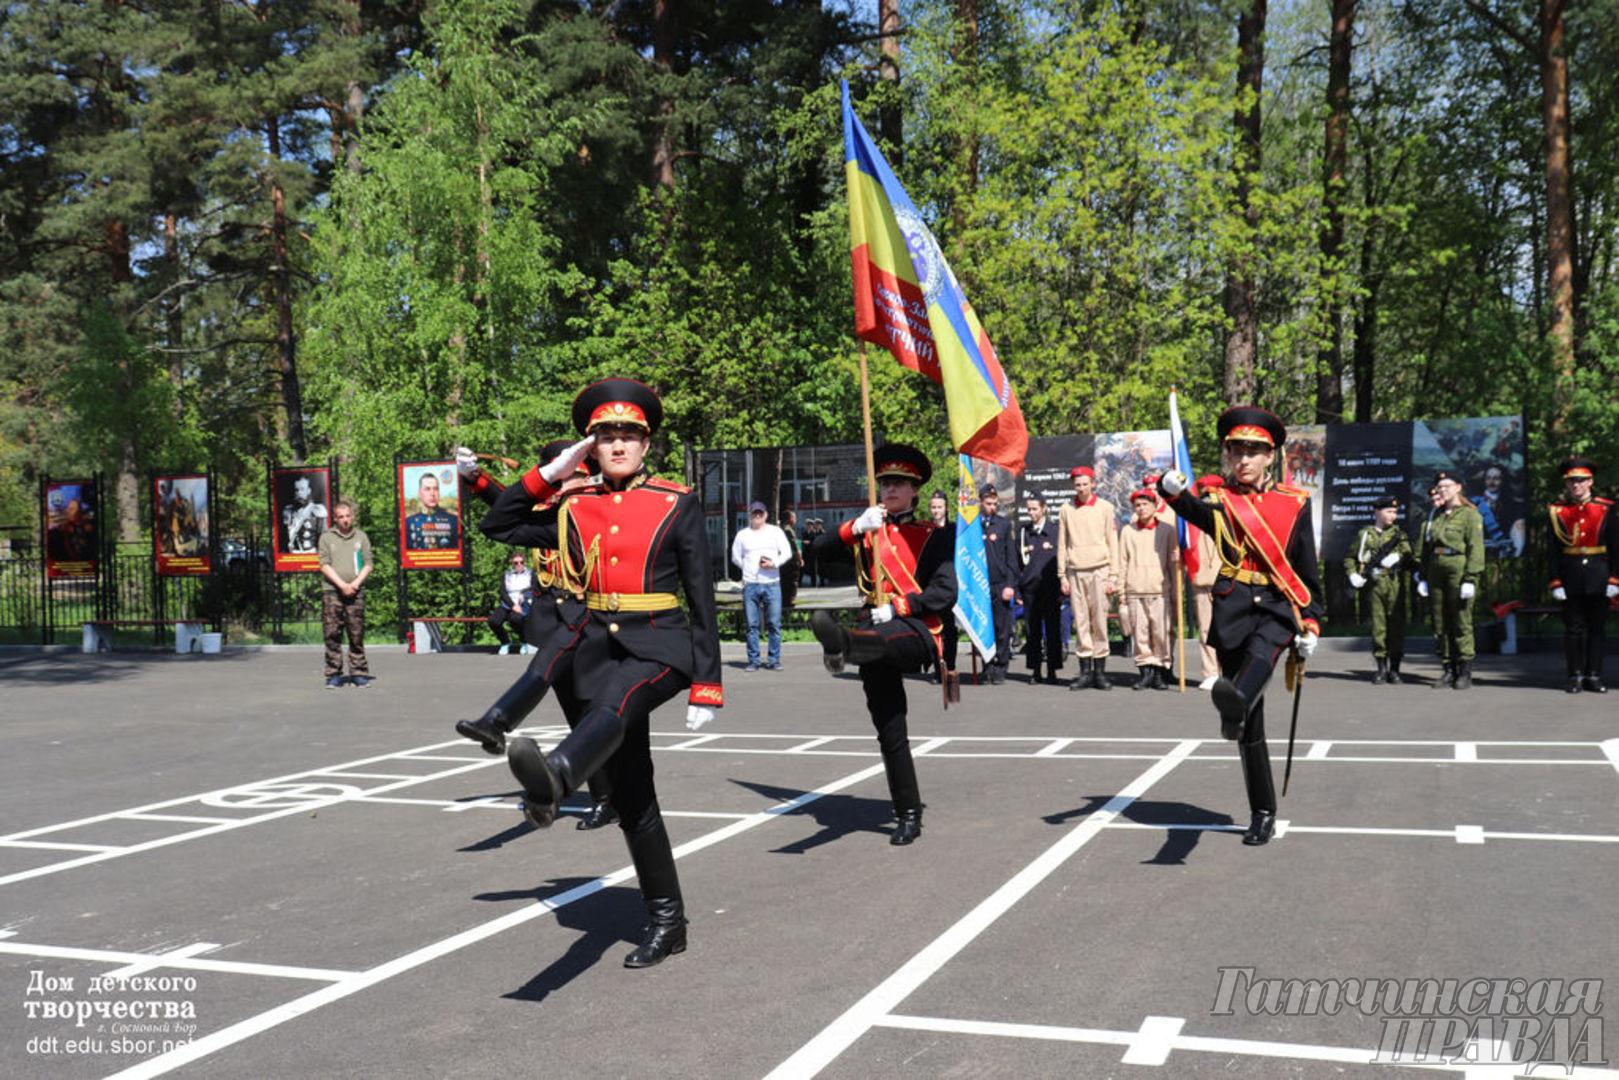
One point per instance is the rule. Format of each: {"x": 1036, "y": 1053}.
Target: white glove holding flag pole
{"x": 1172, "y": 483}
{"x": 1560, "y": 594}
{"x": 1305, "y": 643}
{"x": 466, "y": 463}
{"x": 1356, "y": 581}
{"x": 870, "y": 520}
{"x": 1466, "y": 591}
{"x": 564, "y": 464}
{"x": 698, "y": 715}
{"x": 1391, "y": 560}
{"x": 1613, "y": 591}
{"x": 882, "y": 613}
{"x": 1422, "y": 589}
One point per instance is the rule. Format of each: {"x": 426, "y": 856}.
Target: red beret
{"x": 1082, "y": 470}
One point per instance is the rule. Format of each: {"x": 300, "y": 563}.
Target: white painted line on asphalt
{"x": 495, "y": 802}
{"x": 839, "y": 1035}
{"x": 928, "y": 747}
{"x": 190, "y": 819}
{"x": 353, "y": 983}
{"x": 368, "y": 775}
{"x": 1466, "y": 751}
{"x": 1151, "y": 740}
{"x": 157, "y": 960}
{"x": 58, "y": 845}
{"x": 1455, "y": 833}
{"x": 698, "y": 741}
{"x": 1056, "y": 746}
{"x": 1319, "y": 750}
{"x": 1470, "y": 834}
{"x": 228, "y": 967}
{"x": 466, "y": 758}
{"x": 1610, "y": 749}
{"x": 1155, "y": 1040}
{"x": 460, "y": 805}
{"x": 1283, "y": 827}
{"x": 810, "y": 745}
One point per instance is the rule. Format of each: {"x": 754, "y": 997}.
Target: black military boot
{"x": 1575, "y": 684}
{"x": 1447, "y": 678}
{"x": 1099, "y": 677}
{"x": 1381, "y": 675}
{"x": 1260, "y": 829}
{"x": 1232, "y": 707}
{"x": 1082, "y": 681}
{"x": 547, "y": 779}
{"x": 1593, "y": 683}
{"x": 1144, "y": 678}
{"x": 1464, "y": 675}
{"x": 1254, "y": 754}
{"x": 841, "y": 647}
{"x": 907, "y": 826}
{"x": 665, "y": 933}
{"x": 1166, "y": 679}
{"x": 508, "y": 711}
{"x": 1393, "y": 675}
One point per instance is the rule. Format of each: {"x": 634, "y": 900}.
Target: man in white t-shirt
{"x": 761, "y": 550}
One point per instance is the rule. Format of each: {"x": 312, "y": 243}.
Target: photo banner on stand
{"x": 1120, "y": 460}
{"x": 180, "y": 532}
{"x": 71, "y": 543}
{"x": 429, "y": 507}
{"x": 300, "y": 510}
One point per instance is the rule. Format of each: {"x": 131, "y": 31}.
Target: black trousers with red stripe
{"x": 1250, "y": 668}
{"x": 907, "y": 646}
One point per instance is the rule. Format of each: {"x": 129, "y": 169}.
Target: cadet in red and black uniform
{"x": 553, "y": 606}
{"x": 909, "y": 570}
{"x": 1584, "y": 533}
{"x": 1267, "y": 597}
{"x": 627, "y": 543}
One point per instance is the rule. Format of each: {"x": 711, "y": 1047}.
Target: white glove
{"x": 466, "y": 463}
{"x": 1422, "y": 589}
{"x": 698, "y": 715}
{"x": 882, "y": 613}
{"x": 1305, "y": 643}
{"x": 1560, "y": 594}
{"x": 870, "y": 520}
{"x": 1467, "y": 590}
{"x": 563, "y": 465}
{"x": 1172, "y": 483}
{"x": 1613, "y": 591}
{"x": 1356, "y": 581}
{"x": 1391, "y": 560}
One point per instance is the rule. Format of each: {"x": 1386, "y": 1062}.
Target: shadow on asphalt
{"x": 837, "y": 815}
{"x": 1178, "y": 843}
{"x": 73, "y": 669}
{"x": 612, "y": 917}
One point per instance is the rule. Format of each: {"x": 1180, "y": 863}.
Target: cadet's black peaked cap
{"x": 1387, "y": 502}
{"x": 617, "y": 401}
{"x": 1250, "y": 423}
{"x": 903, "y": 462}
{"x": 1445, "y": 474}
{"x": 1577, "y": 467}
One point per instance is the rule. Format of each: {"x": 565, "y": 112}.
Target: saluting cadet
{"x": 553, "y": 606}
{"x": 1379, "y": 558}
{"x": 1452, "y": 558}
{"x": 1001, "y": 556}
{"x": 907, "y": 569}
{"x": 1042, "y": 596}
{"x": 1268, "y": 597}
{"x": 1584, "y": 532}
{"x": 627, "y": 543}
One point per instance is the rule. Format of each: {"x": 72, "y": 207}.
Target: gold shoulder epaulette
{"x": 1292, "y": 489}
{"x": 667, "y": 485}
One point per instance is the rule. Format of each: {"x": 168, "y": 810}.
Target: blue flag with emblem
{"x": 973, "y": 615}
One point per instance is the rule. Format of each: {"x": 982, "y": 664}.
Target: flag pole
{"x": 1180, "y": 615}
{"x": 865, "y": 414}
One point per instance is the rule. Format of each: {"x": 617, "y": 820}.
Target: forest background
{"x": 233, "y": 233}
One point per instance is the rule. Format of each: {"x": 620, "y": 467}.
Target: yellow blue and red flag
{"x": 907, "y": 300}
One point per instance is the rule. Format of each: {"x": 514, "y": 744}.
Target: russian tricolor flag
{"x": 907, "y": 300}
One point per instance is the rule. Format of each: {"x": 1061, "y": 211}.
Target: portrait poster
{"x": 71, "y": 543}
{"x": 180, "y": 532}
{"x": 429, "y": 498}
{"x": 1304, "y": 465}
{"x": 300, "y": 510}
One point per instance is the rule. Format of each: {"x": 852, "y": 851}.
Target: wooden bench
{"x": 189, "y": 635}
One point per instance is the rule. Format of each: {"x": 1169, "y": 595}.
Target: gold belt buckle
{"x": 612, "y": 601}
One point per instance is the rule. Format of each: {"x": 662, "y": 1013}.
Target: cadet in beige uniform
{"x": 1088, "y": 568}
{"x": 1147, "y": 556}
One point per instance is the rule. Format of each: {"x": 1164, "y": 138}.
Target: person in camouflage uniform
{"x": 1452, "y": 560}
{"x": 1377, "y": 565}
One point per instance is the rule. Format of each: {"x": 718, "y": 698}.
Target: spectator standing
{"x": 793, "y": 570}
{"x": 345, "y": 562}
{"x": 760, "y": 550}
{"x": 1088, "y": 568}
{"x": 1147, "y": 556}
{"x": 1041, "y": 594}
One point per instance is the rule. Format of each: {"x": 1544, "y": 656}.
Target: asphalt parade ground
{"x": 215, "y": 867}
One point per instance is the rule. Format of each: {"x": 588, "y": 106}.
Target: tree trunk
{"x": 890, "y": 121}
{"x": 1329, "y": 398}
{"x": 281, "y": 284}
{"x": 1559, "y": 212}
{"x": 966, "y": 59}
{"x": 663, "y": 62}
{"x": 173, "y": 324}
{"x": 1241, "y": 308}
{"x": 1365, "y": 362}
